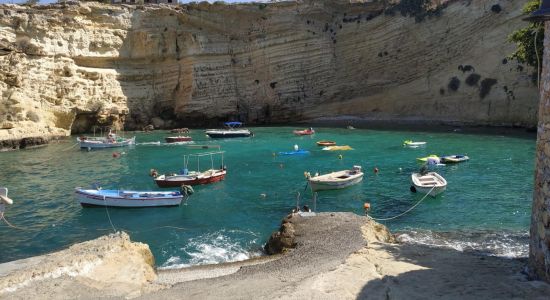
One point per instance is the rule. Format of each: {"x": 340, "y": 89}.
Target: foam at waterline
{"x": 506, "y": 244}
{"x": 213, "y": 248}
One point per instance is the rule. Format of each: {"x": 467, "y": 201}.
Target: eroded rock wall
{"x": 70, "y": 67}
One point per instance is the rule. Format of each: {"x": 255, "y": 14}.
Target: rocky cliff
{"x": 65, "y": 68}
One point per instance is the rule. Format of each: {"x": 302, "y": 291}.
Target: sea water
{"x": 486, "y": 206}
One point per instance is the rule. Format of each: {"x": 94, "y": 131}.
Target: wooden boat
{"x": 336, "y": 180}
{"x": 308, "y": 131}
{"x": 452, "y": 159}
{"x": 111, "y": 140}
{"x": 337, "y": 148}
{"x": 178, "y": 139}
{"x": 411, "y": 144}
{"x": 326, "y": 143}
{"x": 121, "y": 198}
{"x": 232, "y": 130}
{"x": 192, "y": 177}
{"x": 430, "y": 182}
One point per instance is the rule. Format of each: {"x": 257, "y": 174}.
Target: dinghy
{"x": 425, "y": 159}
{"x": 178, "y": 139}
{"x": 453, "y": 159}
{"x": 326, "y": 143}
{"x": 122, "y": 198}
{"x": 337, "y": 148}
{"x": 308, "y": 131}
{"x": 412, "y": 144}
{"x": 430, "y": 182}
{"x": 336, "y": 180}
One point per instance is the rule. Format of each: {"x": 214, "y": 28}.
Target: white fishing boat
{"x": 121, "y": 198}
{"x": 430, "y": 182}
{"x": 111, "y": 140}
{"x": 336, "y": 180}
{"x": 232, "y": 130}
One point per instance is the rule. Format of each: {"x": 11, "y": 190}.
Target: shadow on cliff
{"x": 450, "y": 274}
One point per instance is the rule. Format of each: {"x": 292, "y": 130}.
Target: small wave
{"x": 501, "y": 244}
{"x": 211, "y": 248}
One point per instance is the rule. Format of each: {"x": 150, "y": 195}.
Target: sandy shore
{"x": 337, "y": 256}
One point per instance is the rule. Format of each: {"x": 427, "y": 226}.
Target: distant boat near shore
{"x": 232, "y": 130}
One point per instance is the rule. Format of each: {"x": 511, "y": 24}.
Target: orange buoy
{"x": 116, "y": 154}
{"x": 366, "y": 205}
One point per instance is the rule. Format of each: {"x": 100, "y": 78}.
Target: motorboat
{"x": 232, "y": 130}
{"x": 412, "y": 144}
{"x": 196, "y": 177}
{"x": 337, "y": 148}
{"x": 326, "y": 143}
{"x": 111, "y": 140}
{"x": 308, "y": 131}
{"x": 123, "y": 198}
{"x": 428, "y": 183}
{"x": 178, "y": 139}
{"x": 452, "y": 159}
{"x": 335, "y": 180}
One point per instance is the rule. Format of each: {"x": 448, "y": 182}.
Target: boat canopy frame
{"x": 187, "y": 157}
{"x": 233, "y": 124}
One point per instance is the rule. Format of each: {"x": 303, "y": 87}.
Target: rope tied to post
{"x": 403, "y": 213}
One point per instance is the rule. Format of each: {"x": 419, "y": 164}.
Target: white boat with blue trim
{"x": 232, "y": 130}
{"x": 122, "y": 198}
{"x": 112, "y": 140}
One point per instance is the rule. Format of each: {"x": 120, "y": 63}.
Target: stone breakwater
{"x": 66, "y": 68}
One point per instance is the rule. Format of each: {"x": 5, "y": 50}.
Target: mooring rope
{"x": 408, "y": 210}
{"x": 108, "y": 215}
{"x": 3, "y": 218}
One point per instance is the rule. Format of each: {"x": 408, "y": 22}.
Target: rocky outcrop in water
{"x": 65, "y": 68}
{"x": 282, "y": 240}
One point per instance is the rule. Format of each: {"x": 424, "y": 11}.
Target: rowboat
{"x": 450, "y": 159}
{"x": 122, "y": 198}
{"x": 178, "y": 139}
{"x": 337, "y": 148}
{"x": 109, "y": 141}
{"x": 232, "y": 130}
{"x": 411, "y": 144}
{"x": 326, "y": 143}
{"x": 429, "y": 183}
{"x": 336, "y": 180}
{"x": 192, "y": 177}
{"x": 308, "y": 131}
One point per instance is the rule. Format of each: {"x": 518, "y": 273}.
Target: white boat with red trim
{"x": 192, "y": 177}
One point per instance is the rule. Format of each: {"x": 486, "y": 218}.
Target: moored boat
{"x": 192, "y": 177}
{"x": 122, "y": 198}
{"x": 112, "y": 140}
{"x": 232, "y": 130}
{"x": 428, "y": 183}
{"x": 308, "y": 131}
{"x": 412, "y": 144}
{"x": 425, "y": 159}
{"x": 326, "y": 143}
{"x": 178, "y": 139}
{"x": 336, "y": 180}
{"x": 450, "y": 159}
{"x": 337, "y": 148}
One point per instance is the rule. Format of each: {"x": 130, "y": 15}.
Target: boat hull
{"x": 222, "y": 134}
{"x": 178, "y": 139}
{"x": 454, "y": 159}
{"x": 178, "y": 180}
{"x": 430, "y": 183}
{"x": 88, "y": 198}
{"x": 302, "y": 132}
{"x": 326, "y": 143}
{"x": 91, "y": 144}
{"x": 334, "y": 181}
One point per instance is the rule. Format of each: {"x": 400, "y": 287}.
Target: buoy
{"x": 281, "y": 166}
{"x": 376, "y": 170}
{"x": 340, "y": 156}
{"x": 296, "y": 147}
{"x": 400, "y": 169}
{"x": 274, "y": 154}
{"x": 366, "y": 205}
{"x": 413, "y": 189}
{"x": 263, "y": 195}
{"x": 116, "y": 154}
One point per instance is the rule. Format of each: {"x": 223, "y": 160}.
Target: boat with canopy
{"x": 232, "y": 130}
{"x": 196, "y": 177}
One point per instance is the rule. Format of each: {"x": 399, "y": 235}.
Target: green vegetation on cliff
{"x": 524, "y": 38}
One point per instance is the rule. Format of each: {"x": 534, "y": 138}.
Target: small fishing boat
{"x": 337, "y": 148}
{"x": 192, "y": 177}
{"x": 308, "y": 131}
{"x": 412, "y": 144}
{"x": 453, "y": 159}
{"x": 429, "y": 182}
{"x": 122, "y": 198}
{"x": 326, "y": 143}
{"x": 425, "y": 159}
{"x": 112, "y": 140}
{"x": 232, "y": 130}
{"x": 335, "y": 180}
{"x": 178, "y": 139}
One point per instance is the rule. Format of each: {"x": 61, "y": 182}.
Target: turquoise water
{"x": 486, "y": 197}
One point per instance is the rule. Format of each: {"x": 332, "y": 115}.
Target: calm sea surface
{"x": 486, "y": 206}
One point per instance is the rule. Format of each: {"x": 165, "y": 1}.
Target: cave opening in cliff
{"x": 84, "y": 123}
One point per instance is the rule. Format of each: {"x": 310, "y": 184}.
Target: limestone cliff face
{"x": 66, "y": 68}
